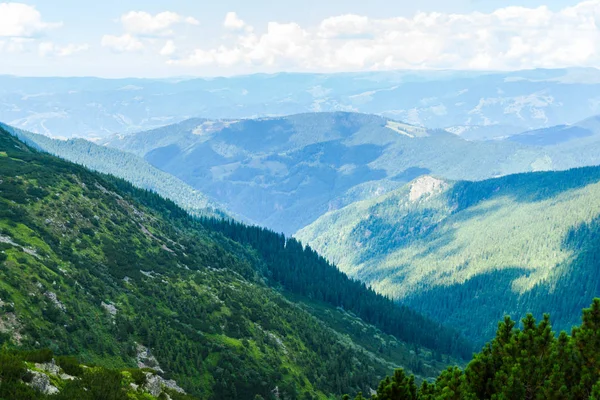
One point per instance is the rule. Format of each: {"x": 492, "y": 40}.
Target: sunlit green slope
{"x": 469, "y": 252}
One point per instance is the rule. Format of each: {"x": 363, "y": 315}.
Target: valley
{"x": 316, "y": 200}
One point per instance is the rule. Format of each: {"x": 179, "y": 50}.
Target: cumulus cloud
{"x": 141, "y": 30}
{"x": 507, "y": 38}
{"x": 122, "y": 44}
{"x": 22, "y": 20}
{"x": 168, "y": 49}
{"x": 348, "y": 25}
{"x": 16, "y": 45}
{"x": 233, "y": 22}
{"x": 146, "y": 24}
{"x": 46, "y": 49}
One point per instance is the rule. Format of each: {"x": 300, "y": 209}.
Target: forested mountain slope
{"x": 285, "y": 172}
{"x": 466, "y": 253}
{"x": 123, "y": 165}
{"x": 93, "y": 267}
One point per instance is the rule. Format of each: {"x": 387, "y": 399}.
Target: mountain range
{"x": 285, "y": 172}
{"x": 514, "y": 101}
{"x": 133, "y": 251}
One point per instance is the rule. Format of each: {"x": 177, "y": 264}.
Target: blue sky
{"x": 185, "y": 37}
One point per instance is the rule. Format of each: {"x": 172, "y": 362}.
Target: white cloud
{"x": 192, "y": 21}
{"x": 508, "y": 38}
{"x": 344, "y": 26}
{"x": 146, "y": 24}
{"x": 233, "y": 22}
{"x": 46, "y": 49}
{"x": 16, "y": 45}
{"x": 122, "y": 44}
{"x": 22, "y": 20}
{"x": 168, "y": 49}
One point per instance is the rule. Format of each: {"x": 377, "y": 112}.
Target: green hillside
{"x": 92, "y": 267}
{"x": 466, "y": 253}
{"x": 123, "y": 165}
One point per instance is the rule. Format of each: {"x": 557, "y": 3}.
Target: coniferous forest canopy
{"x": 522, "y": 362}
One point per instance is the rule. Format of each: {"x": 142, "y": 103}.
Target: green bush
{"x": 70, "y": 365}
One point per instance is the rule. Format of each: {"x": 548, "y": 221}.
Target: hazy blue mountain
{"x": 285, "y": 172}
{"x": 561, "y": 134}
{"x": 484, "y": 132}
{"x": 94, "y": 108}
{"x": 467, "y": 253}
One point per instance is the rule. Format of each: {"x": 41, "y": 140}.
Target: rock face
{"x": 145, "y": 359}
{"x": 54, "y": 299}
{"x": 10, "y": 324}
{"x": 426, "y": 186}
{"x": 50, "y": 367}
{"x": 155, "y": 384}
{"x": 41, "y": 383}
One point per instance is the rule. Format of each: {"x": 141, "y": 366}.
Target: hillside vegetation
{"x": 28, "y": 375}
{"x": 119, "y": 277}
{"x": 466, "y": 253}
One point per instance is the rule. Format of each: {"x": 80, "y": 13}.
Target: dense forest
{"x": 470, "y": 252}
{"x": 526, "y": 362}
{"x": 522, "y": 362}
{"x": 301, "y": 270}
{"x": 92, "y": 266}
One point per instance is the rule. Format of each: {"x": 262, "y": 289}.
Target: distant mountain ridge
{"x": 94, "y": 108}
{"x": 561, "y": 134}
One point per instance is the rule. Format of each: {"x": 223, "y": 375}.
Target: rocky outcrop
{"x": 426, "y": 186}
{"x": 155, "y": 384}
{"x": 145, "y": 359}
{"x": 41, "y": 383}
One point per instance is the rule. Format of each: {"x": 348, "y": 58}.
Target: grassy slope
{"x": 506, "y": 238}
{"x": 72, "y": 243}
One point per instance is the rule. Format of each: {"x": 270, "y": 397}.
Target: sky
{"x": 173, "y": 38}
